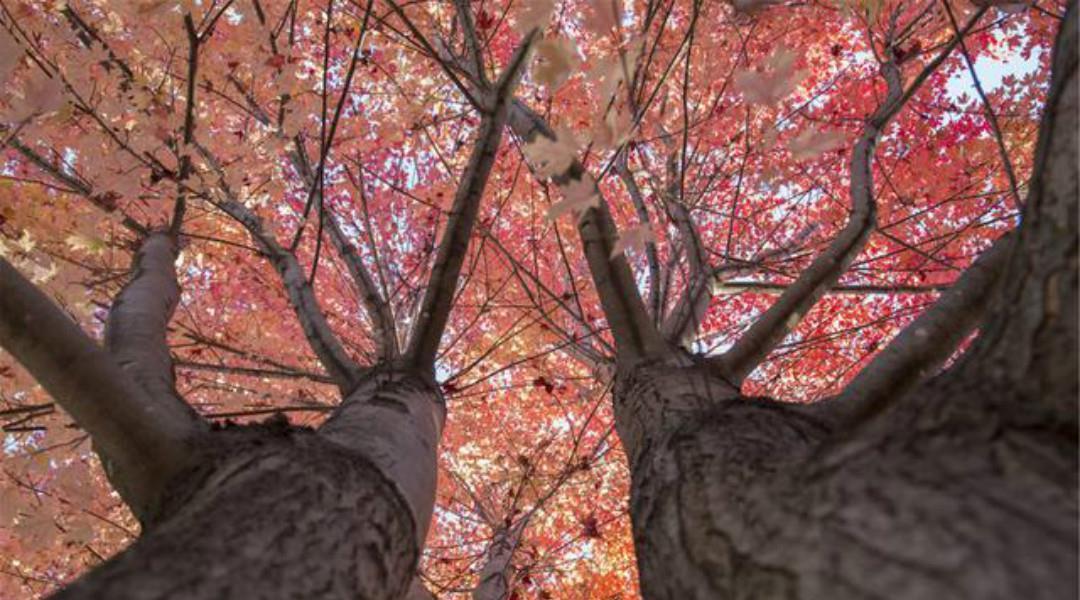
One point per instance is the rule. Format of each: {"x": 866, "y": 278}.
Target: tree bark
{"x": 395, "y": 418}
{"x": 965, "y": 487}
{"x": 271, "y": 511}
{"x": 497, "y": 572}
{"x": 732, "y": 497}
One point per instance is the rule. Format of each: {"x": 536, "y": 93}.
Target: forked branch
{"x": 770, "y": 329}
{"x": 636, "y": 337}
{"x": 322, "y": 339}
{"x": 142, "y": 442}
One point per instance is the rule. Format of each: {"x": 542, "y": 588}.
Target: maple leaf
{"x": 781, "y": 78}
{"x": 633, "y": 238}
{"x": 41, "y": 95}
{"x": 557, "y": 59}
{"x": 80, "y": 532}
{"x": 591, "y": 526}
{"x": 603, "y": 16}
{"x": 609, "y": 73}
{"x": 484, "y": 20}
{"x": 26, "y": 242}
{"x": 613, "y": 130}
{"x": 811, "y": 143}
{"x": 75, "y": 485}
{"x": 580, "y": 195}
{"x": 9, "y": 505}
{"x": 552, "y": 157}
{"x": 536, "y": 14}
{"x": 38, "y": 529}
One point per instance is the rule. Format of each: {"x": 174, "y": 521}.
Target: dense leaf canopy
{"x": 719, "y": 134}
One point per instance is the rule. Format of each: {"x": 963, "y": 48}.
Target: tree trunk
{"x": 395, "y": 418}
{"x": 276, "y": 511}
{"x": 497, "y": 572}
{"x": 732, "y": 497}
{"x": 963, "y": 488}
{"x": 272, "y": 511}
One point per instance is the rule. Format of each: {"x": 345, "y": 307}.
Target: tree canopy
{"x": 309, "y": 152}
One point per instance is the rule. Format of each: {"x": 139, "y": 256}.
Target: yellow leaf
{"x": 812, "y": 143}
{"x": 781, "y": 78}
{"x": 86, "y": 243}
{"x": 552, "y": 157}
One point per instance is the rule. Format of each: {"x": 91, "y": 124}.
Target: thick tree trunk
{"x": 272, "y": 511}
{"x": 732, "y": 497}
{"x": 275, "y": 511}
{"x": 965, "y": 487}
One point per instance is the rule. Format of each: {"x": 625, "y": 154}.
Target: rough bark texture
{"x": 966, "y": 488}
{"x": 395, "y": 418}
{"x": 732, "y": 498}
{"x": 270, "y": 512}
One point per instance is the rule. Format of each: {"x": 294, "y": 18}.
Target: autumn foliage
{"x": 718, "y": 133}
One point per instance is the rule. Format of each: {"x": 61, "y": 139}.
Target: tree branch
{"x": 635, "y": 335}
{"x": 376, "y": 307}
{"x": 322, "y": 339}
{"x": 651, "y": 257}
{"x": 450, "y": 255}
{"x": 770, "y": 329}
{"x": 135, "y": 332}
{"x": 497, "y": 572}
{"x": 142, "y": 442}
{"x": 925, "y": 344}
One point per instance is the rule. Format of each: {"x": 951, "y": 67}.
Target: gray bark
{"x": 965, "y": 487}
{"x": 497, "y": 573}
{"x": 732, "y": 497}
{"x": 270, "y": 511}
{"x": 395, "y": 418}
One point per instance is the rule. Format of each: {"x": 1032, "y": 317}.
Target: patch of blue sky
{"x": 992, "y": 71}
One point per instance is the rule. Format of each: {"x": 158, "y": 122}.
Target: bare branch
{"x": 135, "y": 332}
{"x": 450, "y": 255}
